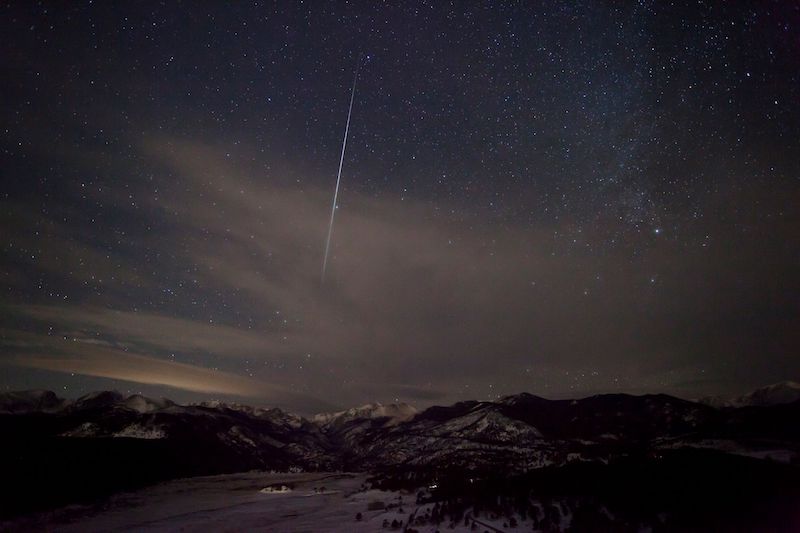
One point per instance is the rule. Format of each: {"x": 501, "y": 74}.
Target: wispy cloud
{"x": 161, "y": 332}
{"x": 419, "y": 303}
{"x": 136, "y": 368}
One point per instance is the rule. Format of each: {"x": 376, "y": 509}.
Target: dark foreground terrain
{"x": 611, "y": 462}
{"x": 681, "y": 490}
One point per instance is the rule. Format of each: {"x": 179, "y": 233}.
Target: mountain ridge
{"x": 782, "y": 392}
{"x": 118, "y": 442}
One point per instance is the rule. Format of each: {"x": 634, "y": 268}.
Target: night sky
{"x": 565, "y": 198}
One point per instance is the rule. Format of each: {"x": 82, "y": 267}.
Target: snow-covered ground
{"x": 237, "y": 502}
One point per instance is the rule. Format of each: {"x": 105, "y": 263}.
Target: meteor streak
{"x": 339, "y": 175}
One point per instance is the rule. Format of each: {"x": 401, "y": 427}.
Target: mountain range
{"x": 775, "y": 394}
{"x": 112, "y": 442}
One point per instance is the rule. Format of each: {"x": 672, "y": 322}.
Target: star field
{"x": 566, "y": 198}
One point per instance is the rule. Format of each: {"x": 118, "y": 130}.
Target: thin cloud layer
{"x": 161, "y": 332}
{"x": 420, "y": 304}
{"x": 146, "y": 370}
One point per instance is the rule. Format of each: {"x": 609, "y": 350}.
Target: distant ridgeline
{"x": 616, "y": 448}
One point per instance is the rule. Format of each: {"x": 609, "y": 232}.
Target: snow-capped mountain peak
{"x": 775, "y": 394}
{"x": 30, "y": 401}
{"x": 142, "y": 404}
{"x": 265, "y": 413}
{"x": 98, "y": 400}
{"x": 396, "y": 413}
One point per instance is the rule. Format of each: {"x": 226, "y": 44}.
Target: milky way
{"x": 563, "y": 198}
